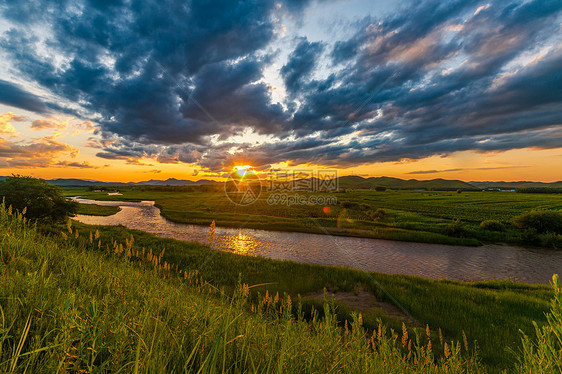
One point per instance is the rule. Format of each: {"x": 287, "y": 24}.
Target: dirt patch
{"x": 364, "y": 301}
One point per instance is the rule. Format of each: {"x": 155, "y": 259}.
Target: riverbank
{"x": 434, "y": 261}
{"x": 97, "y": 210}
{"x": 426, "y": 217}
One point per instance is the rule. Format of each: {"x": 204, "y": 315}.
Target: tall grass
{"x": 544, "y": 354}
{"x": 489, "y": 312}
{"x": 69, "y": 308}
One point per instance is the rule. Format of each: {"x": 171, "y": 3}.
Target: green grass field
{"x": 486, "y": 311}
{"x": 97, "y": 210}
{"x": 409, "y": 215}
{"x": 117, "y": 299}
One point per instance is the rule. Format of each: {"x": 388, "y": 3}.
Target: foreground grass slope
{"x": 489, "y": 312}
{"x": 73, "y": 309}
{"x": 70, "y": 307}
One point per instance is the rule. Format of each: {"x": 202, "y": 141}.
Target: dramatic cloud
{"x": 38, "y": 153}
{"x": 301, "y": 63}
{"x": 11, "y": 94}
{"x": 150, "y": 70}
{"x": 6, "y": 119}
{"x": 42, "y": 124}
{"x": 174, "y": 81}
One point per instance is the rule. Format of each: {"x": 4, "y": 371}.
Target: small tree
{"x": 42, "y": 200}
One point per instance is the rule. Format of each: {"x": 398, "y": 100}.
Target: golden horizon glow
{"x": 516, "y": 165}
{"x": 72, "y": 154}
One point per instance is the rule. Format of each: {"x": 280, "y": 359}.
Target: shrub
{"x": 456, "y": 229}
{"x": 492, "y": 225}
{"x": 543, "y": 221}
{"x": 553, "y": 240}
{"x": 530, "y": 236}
{"x": 380, "y": 188}
{"x": 40, "y": 199}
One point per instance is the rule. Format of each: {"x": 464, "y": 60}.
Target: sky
{"x": 156, "y": 89}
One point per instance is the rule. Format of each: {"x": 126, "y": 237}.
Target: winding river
{"x": 491, "y": 261}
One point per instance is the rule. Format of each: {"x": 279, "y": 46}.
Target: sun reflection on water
{"x": 242, "y": 243}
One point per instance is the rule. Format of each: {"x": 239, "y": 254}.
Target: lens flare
{"x": 243, "y": 170}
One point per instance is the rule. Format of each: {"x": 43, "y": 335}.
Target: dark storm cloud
{"x": 13, "y": 95}
{"x": 137, "y": 64}
{"x": 301, "y": 63}
{"x": 161, "y": 78}
{"x": 234, "y": 97}
{"x": 397, "y": 66}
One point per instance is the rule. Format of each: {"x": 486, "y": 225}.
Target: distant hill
{"x": 357, "y": 182}
{"x": 514, "y": 185}
{"x": 350, "y": 181}
{"x": 70, "y": 182}
{"x": 172, "y": 182}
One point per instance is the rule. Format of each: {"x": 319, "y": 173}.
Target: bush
{"x": 492, "y": 225}
{"x": 543, "y": 221}
{"x": 41, "y": 200}
{"x": 456, "y": 229}
{"x": 553, "y": 241}
{"x": 380, "y": 188}
{"x": 530, "y": 236}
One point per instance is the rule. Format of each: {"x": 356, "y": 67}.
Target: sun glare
{"x": 243, "y": 170}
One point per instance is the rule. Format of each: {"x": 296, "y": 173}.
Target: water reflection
{"x": 492, "y": 261}
{"x": 241, "y": 243}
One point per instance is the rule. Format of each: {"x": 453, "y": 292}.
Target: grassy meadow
{"x": 67, "y": 307}
{"x": 429, "y": 216}
{"x": 97, "y": 210}
{"x": 108, "y": 299}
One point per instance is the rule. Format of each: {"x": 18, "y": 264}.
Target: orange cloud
{"x": 6, "y": 119}
{"x": 39, "y": 153}
{"x": 80, "y": 165}
{"x": 42, "y": 124}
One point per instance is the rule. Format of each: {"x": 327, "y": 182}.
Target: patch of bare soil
{"x": 364, "y": 301}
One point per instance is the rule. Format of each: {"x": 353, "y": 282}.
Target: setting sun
{"x": 243, "y": 170}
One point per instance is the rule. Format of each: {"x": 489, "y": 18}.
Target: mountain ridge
{"x": 344, "y": 182}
